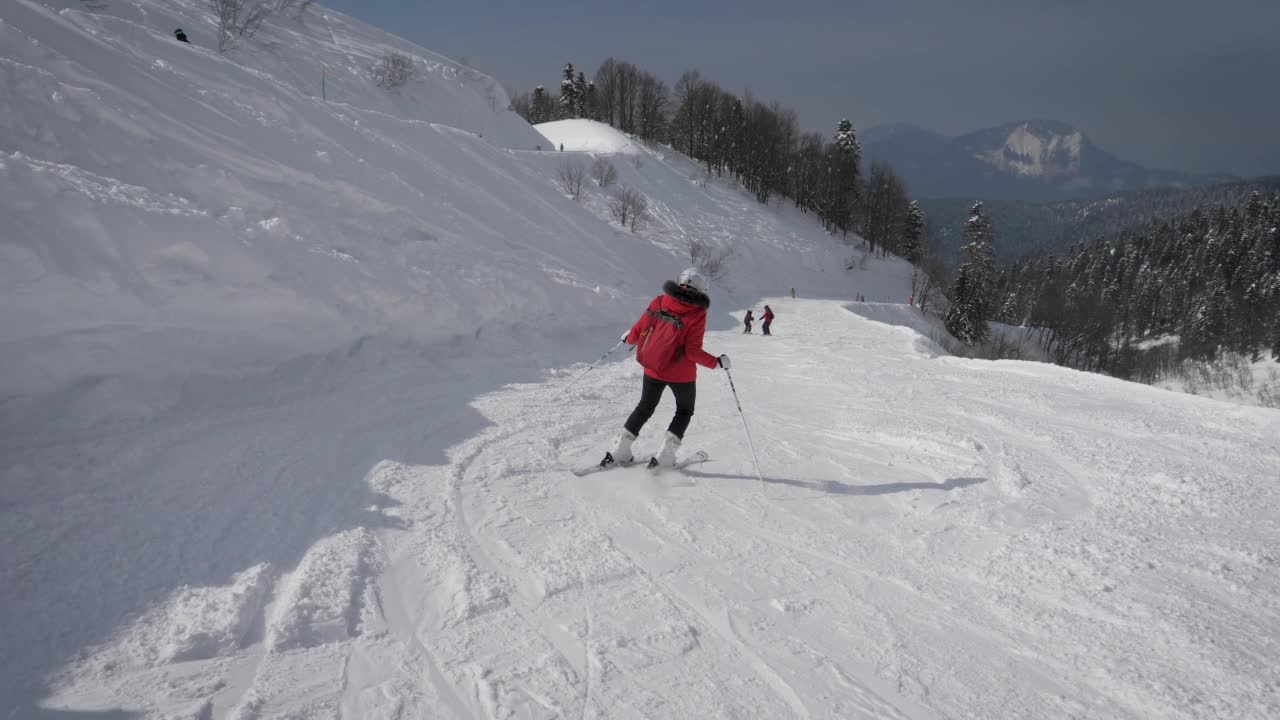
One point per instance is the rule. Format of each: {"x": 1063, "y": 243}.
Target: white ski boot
{"x": 666, "y": 457}
{"x": 621, "y": 452}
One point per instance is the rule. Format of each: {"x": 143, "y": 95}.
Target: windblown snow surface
{"x": 588, "y": 136}
{"x": 286, "y": 428}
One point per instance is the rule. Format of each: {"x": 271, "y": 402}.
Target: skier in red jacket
{"x": 668, "y": 342}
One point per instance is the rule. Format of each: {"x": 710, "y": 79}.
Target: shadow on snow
{"x": 834, "y": 487}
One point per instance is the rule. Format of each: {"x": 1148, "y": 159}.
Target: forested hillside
{"x": 1136, "y": 303}
{"x": 1028, "y": 228}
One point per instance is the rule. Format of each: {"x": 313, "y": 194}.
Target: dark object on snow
{"x": 182, "y": 37}
{"x": 747, "y": 321}
{"x": 768, "y": 320}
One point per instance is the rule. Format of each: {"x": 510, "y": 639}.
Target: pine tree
{"x": 846, "y": 141}
{"x": 568, "y": 93}
{"x": 592, "y": 104}
{"x": 539, "y": 106}
{"x": 913, "y": 234}
{"x": 842, "y": 179}
{"x": 580, "y": 96}
{"x": 971, "y": 302}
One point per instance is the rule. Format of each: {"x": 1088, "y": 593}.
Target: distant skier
{"x": 768, "y": 320}
{"x": 668, "y": 341}
{"x": 793, "y": 293}
{"x": 747, "y": 321}
{"x": 182, "y": 37}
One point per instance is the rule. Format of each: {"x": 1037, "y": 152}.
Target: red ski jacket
{"x": 676, "y": 321}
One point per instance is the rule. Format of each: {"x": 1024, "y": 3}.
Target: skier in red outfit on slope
{"x": 668, "y": 343}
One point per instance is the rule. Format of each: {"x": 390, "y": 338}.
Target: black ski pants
{"x": 651, "y": 393}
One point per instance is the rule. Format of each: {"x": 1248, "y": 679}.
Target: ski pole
{"x": 589, "y": 369}
{"x": 743, "y": 417}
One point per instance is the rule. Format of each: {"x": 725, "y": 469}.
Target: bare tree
{"x": 225, "y": 15}
{"x": 254, "y": 17}
{"x": 521, "y": 105}
{"x": 297, "y": 8}
{"x": 606, "y": 82}
{"x": 630, "y": 208}
{"x": 571, "y": 176}
{"x": 240, "y": 18}
{"x": 884, "y": 210}
{"x": 604, "y": 172}
{"x": 393, "y": 70}
{"x": 712, "y": 261}
{"x": 652, "y": 105}
{"x": 928, "y": 279}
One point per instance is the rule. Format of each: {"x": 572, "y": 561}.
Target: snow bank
{"x": 894, "y": 314}
{"x": 172, "y": 212}
{"x": 587, "y": 136}
{"x": 224, "y": 297}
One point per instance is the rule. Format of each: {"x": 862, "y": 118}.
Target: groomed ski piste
{"x": 284, "y": 430}
{"x": 934, "y": 538}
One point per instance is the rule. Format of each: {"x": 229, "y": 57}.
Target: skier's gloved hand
{"x": 724, "y": 361}
{"x": 625, "y": 335}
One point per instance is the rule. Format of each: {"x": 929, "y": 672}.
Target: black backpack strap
{"x": 666, "y": 317}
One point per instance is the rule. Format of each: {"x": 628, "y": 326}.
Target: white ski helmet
{"x": 694, "y": 278}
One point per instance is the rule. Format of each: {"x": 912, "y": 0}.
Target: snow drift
{"x": 587, "y": 136}
{"x": 217, "y": 283}
{"x": 171, "y": 212}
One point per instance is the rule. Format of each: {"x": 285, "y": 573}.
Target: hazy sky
{"x": 1182, "y": 84}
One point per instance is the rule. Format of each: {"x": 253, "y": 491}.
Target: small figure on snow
{"x": 793, "y": 293}
{"x": 668, "y": 343}
{"x": 182, "y": 37}
{"x": 768, "y": 320}
{"x": 747, "y": 321}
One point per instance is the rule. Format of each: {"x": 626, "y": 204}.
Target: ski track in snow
{"x": 935, "y": 538}
{"x": 245, "y": 479}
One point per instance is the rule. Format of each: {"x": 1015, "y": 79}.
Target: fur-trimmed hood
{"x": 686, "y": 295}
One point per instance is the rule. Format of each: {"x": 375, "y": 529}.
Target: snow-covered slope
{"x": 587, "y": 136}
{"x": 770, "y": 247}
{"x": 216, "y": 283}
{"x": 284, "y": 431}
{"x": 934, "y": 538}
{"x": 1027, "y": 153}
{"x": 171, "y": 212}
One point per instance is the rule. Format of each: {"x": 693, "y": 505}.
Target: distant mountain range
{"x": 1032, "y": 160}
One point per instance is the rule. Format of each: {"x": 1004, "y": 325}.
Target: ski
{"x": 607, "y": 464}
{"x": 700, "y": 456}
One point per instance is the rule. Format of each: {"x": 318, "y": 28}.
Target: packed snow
{"x": 175, "y": 213}
{"x": 284, "y": 429}
{"x": 587, "y": 136}
{"x": 934, "y": 538}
